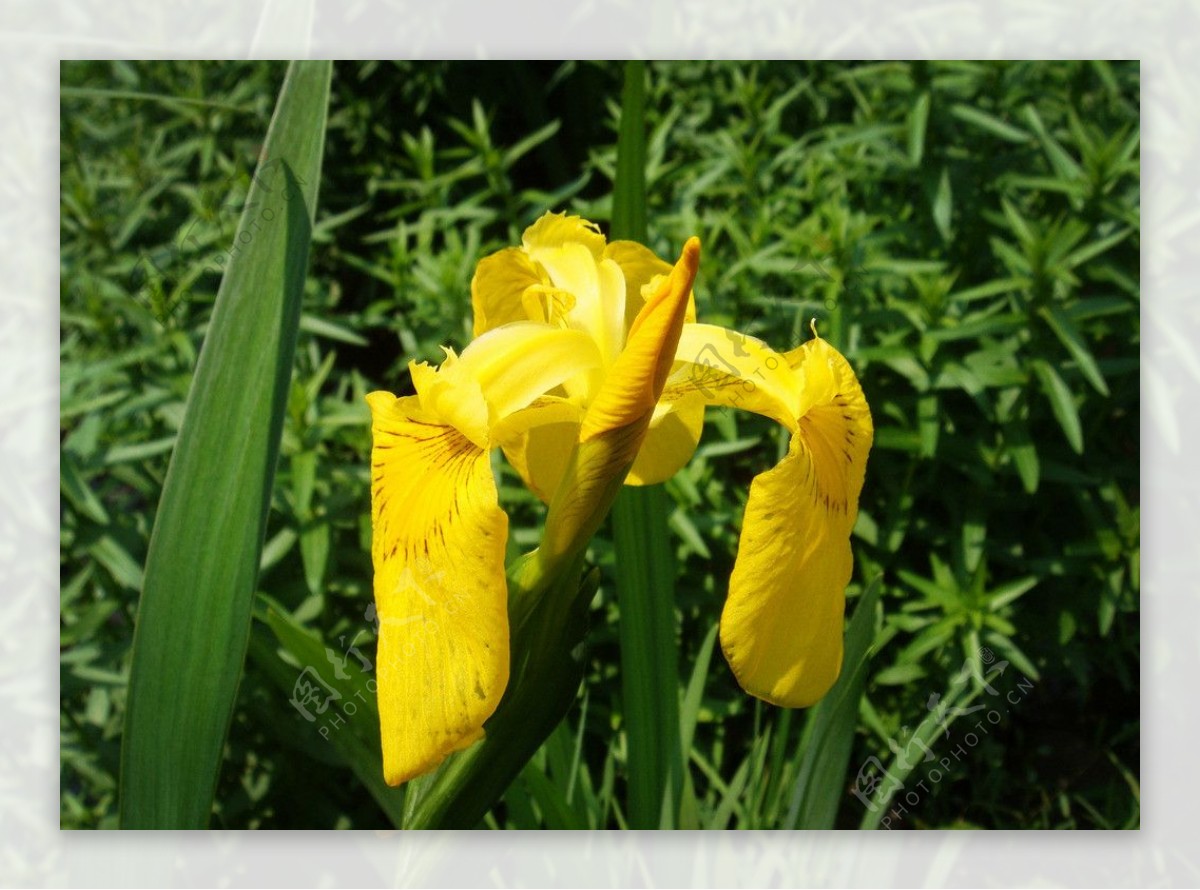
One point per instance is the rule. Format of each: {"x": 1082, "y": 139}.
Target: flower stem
{"x": 644, "y": 567}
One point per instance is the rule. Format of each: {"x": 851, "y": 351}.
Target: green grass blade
{"x": 829, "y": 732}
{"x": 644, "y": 568}
{"x": 355, "y": 732}
{"x": 194, "y": 615}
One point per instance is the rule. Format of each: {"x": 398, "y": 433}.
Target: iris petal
{"x": 438, "y": 545}
{"x": 717, "y": 366}
{"x": 781, "y": 628}
{"x": 498, "y": 286}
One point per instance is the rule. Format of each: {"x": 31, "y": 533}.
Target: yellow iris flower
{"x": 588, "y": 369}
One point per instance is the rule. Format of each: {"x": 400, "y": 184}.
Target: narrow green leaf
{"x": 319, "y": 327}
{"x": 1010, "y": 591}
{"x": 928, "y": 423}
{"x": 334, "y": 697}
{"x": 1093, "y": 250}
{"x": 644, "y": 567}
{"x": 78, "y": 491}
{"x": 943, "y": 205}
{"x": 989, "y": 123}
{"x": 1023, "y": 451}
{"x": 935, "y": 724}
{"x": 1062, "y": 403}
{"x": 1065, "y": 165}
{"x": 918, "y": 119}
{"x": 1064, "y": 328}
{"x": 829, "y": 730}
{"x": 194, "y": 615}
{"x": 689, "y": 712}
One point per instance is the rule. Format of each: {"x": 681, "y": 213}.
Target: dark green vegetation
{"x": 966, "y": 233}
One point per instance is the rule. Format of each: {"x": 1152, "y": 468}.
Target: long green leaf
{"x": 644, "y": 569}
{"x": 194, "y": 615}
{"x": 829, "y": 731}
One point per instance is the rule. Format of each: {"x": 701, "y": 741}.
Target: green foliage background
{"x": 968, "y": 234}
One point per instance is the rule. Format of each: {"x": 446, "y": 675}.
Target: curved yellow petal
{"x": 438, "y": 543}
{"x": 553, "y": 230}
{"x": 498, "y": 287}
{"x": 538, "y": 442}
{"x": 718, "y": 366}
{"x": 542, "y": 456}
{"x": 518, "y": 362}
{"x": 781, "y": 628}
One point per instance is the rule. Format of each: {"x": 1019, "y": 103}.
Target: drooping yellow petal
{"x": 438, "y": 544}
{"x": 718, "y": 366}
{"x": 634, "y": 383}
{"x": 781, "y": 628}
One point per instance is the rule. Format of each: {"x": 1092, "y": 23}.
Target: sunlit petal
{"x": 640, "y": 267}
{"x": 781, "y": 628}
{"x": 717, "y": 366}
{"x": 438, "y": 545}
{"x": 498, "y": 287}
{"x": 633, "y": 384}
{"x": 669, "y": 444}
{"x": 518, "y": 362}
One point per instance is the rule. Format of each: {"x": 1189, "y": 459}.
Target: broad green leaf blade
{"x": 315, "y": 689}
{"x": 829, "y": 733}
{"x": 194, "y": 615}
{"x": 644, "y": 568}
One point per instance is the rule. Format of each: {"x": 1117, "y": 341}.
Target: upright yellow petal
{"x": 781, "y": 628}
{"x": 498, "y": 285}
{"x": 640, "y": 267}
{"x": 438, "y": 542}
{"x": 634, "y": 382}
{"x": 553, "y": 230}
